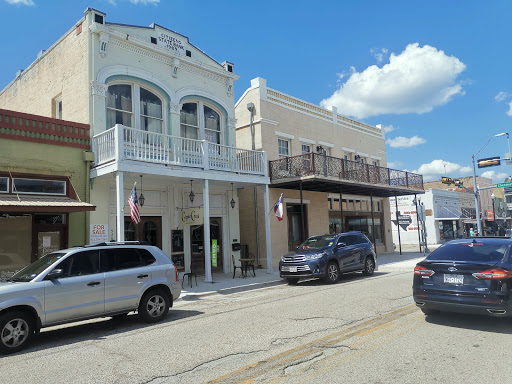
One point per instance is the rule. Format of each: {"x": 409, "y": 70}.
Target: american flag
{"x": 133, "y": 202}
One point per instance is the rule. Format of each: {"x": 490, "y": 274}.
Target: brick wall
{"x": 61, "y": 71}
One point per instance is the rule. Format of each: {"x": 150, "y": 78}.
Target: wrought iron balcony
{"x": 328, "y": 168}
{"x": 123, "y": 143}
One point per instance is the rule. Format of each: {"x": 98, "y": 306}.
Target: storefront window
{"x": 447, "y": 229}
{"x": 39, "y": 186}
{"x": 4, "y": 184}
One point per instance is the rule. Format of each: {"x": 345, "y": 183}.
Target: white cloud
{"x": 495, "y": 176}
{"x": 388, "y": 128}
{"x": 394, "y": 164}
{"x": 438, "y": 168}
{"x": 509, "y": 112}
{"x": 405, "y": 142}
{"x": 21, "y": 2}
{"x": 502, "y": 96}
{"x": 379, "y": 54}
{"x": 145, "y": 2}
{"x": 414, "y": 81}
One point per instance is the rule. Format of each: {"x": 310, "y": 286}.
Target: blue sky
{"x": 437, "y": 74}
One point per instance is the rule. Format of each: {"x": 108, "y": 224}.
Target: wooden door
{"x": 149, "y": 229}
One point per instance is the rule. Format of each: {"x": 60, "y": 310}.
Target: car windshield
{"x": 38, "y": 266}
{"x": 317, "y": 242}
{"x": 470, "y": 251}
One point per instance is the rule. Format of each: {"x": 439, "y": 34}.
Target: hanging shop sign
{"x": 191, "y": 216}
{"x": 214, "y": 253}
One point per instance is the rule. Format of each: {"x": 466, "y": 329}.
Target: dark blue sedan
{"x": 468, "y": 275}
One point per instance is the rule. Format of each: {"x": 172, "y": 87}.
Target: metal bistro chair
{"x": 189, "y": 275}
{"x": 235, "y": 266}
{"x": 250, "y": 264}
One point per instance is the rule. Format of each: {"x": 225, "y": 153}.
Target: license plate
{"x": 454, "y": 279}
{"x": 293, "y": 269}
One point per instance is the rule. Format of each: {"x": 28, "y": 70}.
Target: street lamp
{"x": 475, "y": 188}
{"x": 493, "y": 214}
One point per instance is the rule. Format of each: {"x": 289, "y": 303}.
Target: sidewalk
{"x": 226, "y": 284}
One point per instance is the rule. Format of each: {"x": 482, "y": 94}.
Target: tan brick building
{"x": 317, "y": 159}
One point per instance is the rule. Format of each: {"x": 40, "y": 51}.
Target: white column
{"x": 206, "y": 233}
{"x": 268, "y": 239}
{"x": 120, "y": 206}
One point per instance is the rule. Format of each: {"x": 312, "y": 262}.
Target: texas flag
{"x": 278, "y": 208}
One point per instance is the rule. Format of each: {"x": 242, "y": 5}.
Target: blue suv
{"x": 328, "y": 256}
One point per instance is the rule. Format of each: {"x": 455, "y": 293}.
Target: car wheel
{"x": 293, "y": 281}
{"x": 16, "y": 331}
{"x": 333, "y": 273}
{"x": 369, "y": 266}
{"x": 153, "y": 306}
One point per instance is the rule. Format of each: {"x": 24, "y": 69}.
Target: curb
{"x": 226, "y": 291}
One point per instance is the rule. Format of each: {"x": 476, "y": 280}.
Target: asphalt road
{"x": 361, "y": 330}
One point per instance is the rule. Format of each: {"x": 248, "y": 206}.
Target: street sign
{"x": 504, "y": 185}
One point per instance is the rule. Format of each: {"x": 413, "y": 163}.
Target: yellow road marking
{"x": 367, "y": 327}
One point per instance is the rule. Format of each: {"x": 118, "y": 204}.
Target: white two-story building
{"x": 161, "y": 114}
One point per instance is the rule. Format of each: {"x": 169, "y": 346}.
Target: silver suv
{"x": 107, "y": 279}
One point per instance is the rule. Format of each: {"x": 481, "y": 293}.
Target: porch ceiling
{"x": 321, "y": 184}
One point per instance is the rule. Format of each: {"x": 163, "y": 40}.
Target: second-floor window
{"x": 199, "y": 121}
{"x": 145, "y": 114}
{"x": 283, "y": 147}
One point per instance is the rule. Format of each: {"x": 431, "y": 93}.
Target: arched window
{"x": 145, "y": 114}
{"x": 200, "y": 122}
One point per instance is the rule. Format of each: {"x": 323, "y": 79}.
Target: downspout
{"x": 88, "y": 158}
{"x": 250, "y": 107}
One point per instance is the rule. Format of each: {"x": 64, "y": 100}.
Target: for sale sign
{"x": 98, "y": 233}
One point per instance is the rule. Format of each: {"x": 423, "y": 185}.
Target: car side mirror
{"x": 341, "y": 244}
{"x": 55, "y": 274}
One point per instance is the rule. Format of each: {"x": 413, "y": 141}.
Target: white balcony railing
{"x": 123, "y": 143}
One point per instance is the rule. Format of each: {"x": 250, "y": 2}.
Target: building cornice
{"x": 141, "y": 47}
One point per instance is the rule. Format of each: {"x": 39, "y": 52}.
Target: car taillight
{"x": 177, "y": 276}
{"x": 422, "y": 271}
{"x": 493, "y": 274}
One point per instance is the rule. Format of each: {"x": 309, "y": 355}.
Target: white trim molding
{"x": 345, "y": 149}
{"x": 362, "y": 154}
{"x": 285, "y": 135}
{"x": 307, "y": 140}
{"x": 375, "y": 157}
{"x": 295, "y": 201}
{"x": 324, "y": 144}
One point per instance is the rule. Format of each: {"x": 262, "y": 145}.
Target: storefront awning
{"x": 40, "y": 204}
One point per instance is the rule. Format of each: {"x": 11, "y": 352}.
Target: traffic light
{"x": 489, "y": 162}
{"x": 446, "y": 180}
